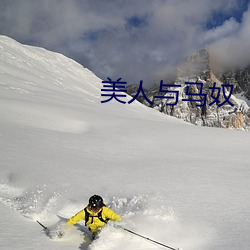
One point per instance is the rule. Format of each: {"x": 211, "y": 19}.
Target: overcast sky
{"x": 132, "y": 39}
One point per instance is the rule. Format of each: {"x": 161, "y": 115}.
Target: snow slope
{"x": 176, "y": 183}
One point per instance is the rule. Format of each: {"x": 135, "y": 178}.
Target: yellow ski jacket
{"x": 94, "y": 223}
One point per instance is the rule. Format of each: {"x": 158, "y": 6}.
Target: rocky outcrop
{"x": 203, "y": 108}
{"x": 240, "y": 78}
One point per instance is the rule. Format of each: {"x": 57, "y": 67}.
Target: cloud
{"x": 233, "y": 49}
{"x": 229, "y": 27}
{"x": 136, "y": 40}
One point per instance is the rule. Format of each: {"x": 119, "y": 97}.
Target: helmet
{"x": 95, "y": 202}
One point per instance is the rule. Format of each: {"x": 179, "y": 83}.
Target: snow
{"x": 182, "y": 185}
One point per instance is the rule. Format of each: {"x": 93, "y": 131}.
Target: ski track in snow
{"x": 43, "y": 117}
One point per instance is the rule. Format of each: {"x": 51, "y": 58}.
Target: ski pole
{"x": 45, "y": 228}
{"x": 146, "y": 238}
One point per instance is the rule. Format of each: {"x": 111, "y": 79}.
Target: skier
{"x": 95, "y": 214}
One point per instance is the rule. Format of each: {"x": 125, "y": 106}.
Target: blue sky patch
{"x": 136, "y": 21}
{"x": 219, "y": 17}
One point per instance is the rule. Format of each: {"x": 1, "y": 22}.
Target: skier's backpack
{"x": 88, "y": 216}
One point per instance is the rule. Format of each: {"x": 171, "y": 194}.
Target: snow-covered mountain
{"x": 240, "y": 78}
{"x": 182, "y": 185}
{"x": 201, "y": 70}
